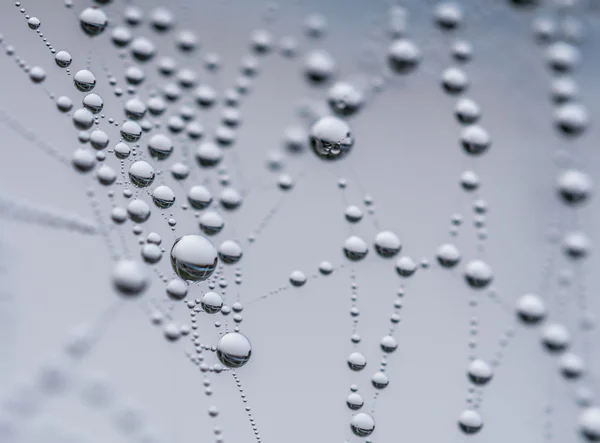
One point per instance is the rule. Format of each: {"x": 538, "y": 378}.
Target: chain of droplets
{"x": 247, "y": 407}
{"x": 24, "y": 402}
{"x": 19, "y": 211}
{"x": 167, "y": 333}
{"x": 571, "y": 119}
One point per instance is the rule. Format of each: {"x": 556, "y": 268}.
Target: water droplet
{"x": 131, "y": 131}
{"x": 467, "y": 111}
{"x": 380, "y": 380}
{"x": 387, "y": 244}
{"x": 234, "y": 350}
{"x": 199, "y": 197}
{"x": 83, "y": 119}
{"x": 121, "y": 36}
{"x": 106, "y": 175}
{"x": 454, "y": 80}
{"x": 589, "y": 423}
{"x": 562, "y": 56}
{"x": 403, "y": 56}
{"x": 574, "y": 186}
{"x": 478, "y": 274}
{"x": 138, "y": 211}
{"x": 556, "y": 337}
{"x": 193, "y": 257}
{"x": 151, "y": 253}
{"x": 93, "y": 102}
{"x": 354, "y": 401}
{"x": 470, "y": 421}
{"x": 37, "y": 74}
{"x": 355, "y": 248}
{"x": 211, "y": 223}
{"x": 162, "y": 19}
{"x": 99, "y": 139}
{"x": 230, "y": 252}
{"x": 319, "y": 66}
{"x": 177, "y": 289}
{"x": 211, "y": 302}
{"x": 572, "y": 366}
{"x": 344, "y": 99}
{"x": 187, "y": 41}
{"x": 63, "y": 59}
{"x": 448, "y": 255}
{"x": 475, "y": 140}
{"x": 64, "y": 103}
{"x": 129, "y": 277}
{"x": 362, "y": 424}
{"x": 388, "y": 344}
{"x": 405, "y": 266}
{"x": 577, "y": 245}
{"x": 141, "y": 174}
{"x": 325, "y": 268}
{"x": 571, "y": 118}
{"x": 357, "y": 361}
{"x": 297, "y": 278}
{"x": 479, "y": 372}
{"x": 448, "y": 15}
{"x": 84, "y": 80}
{"x": 230, "y": 199}
{"x": 34, "y": 23}
{"x": 331, "y": 138}
{"x": 93, "y": 21}
{"x": 142, "y": 49}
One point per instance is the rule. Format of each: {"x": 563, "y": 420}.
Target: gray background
{"x": 406, "y": 156}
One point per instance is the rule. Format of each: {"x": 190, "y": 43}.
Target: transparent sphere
{"x": 448, "y": 255}
{"x": 230, "y": 252}
{"x": 163, "y": 197}
{"x": 531, "y": 309}
{"x": 331, "y": 138}
{"x": 387, "y": 244}
{"x": 405, "y": 266}
{"x": 479, "y": 372}
{"x": 478, "y": 274}
{"x": 211, "y": 223}
{"x": 93, "y": 21}
{"x": 470, "y": 421}
{"x": 354, "y": 401}
{"x": 362, "y": 424}
{"x": 193, "y": 257}
{"x": 355, "y": 248}
{"x": 297, "y": 278}
{"x": 234, "y": 350}
{"x": 357, "y": 361}
{"x": 211, "y": 302}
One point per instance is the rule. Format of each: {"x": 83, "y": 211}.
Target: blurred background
{"x": 80, "y": 362}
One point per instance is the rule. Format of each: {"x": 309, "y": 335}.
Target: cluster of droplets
{"x": 139, "y": 187}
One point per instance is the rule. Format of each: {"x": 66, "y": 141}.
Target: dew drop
{"x": 193, "y": 257}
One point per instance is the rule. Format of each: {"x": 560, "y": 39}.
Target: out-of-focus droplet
{"x": 470, "y": 421}
{"x": 130, "y": 278}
